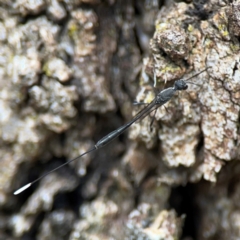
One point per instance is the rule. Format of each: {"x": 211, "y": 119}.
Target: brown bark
{"x": 70, "y": 71}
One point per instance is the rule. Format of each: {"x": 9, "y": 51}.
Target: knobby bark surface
{"x": 69, "y": 73}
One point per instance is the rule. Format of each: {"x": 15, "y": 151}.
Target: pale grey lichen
{"x": 81, "y": 31}
{"x": 92, "y": 86}
{"x": 56, "y": 10}
{"x": 54, "y": 103}
{"x": 172, "y": 40}
{"x": 70, "y": 77}
{"x": 27, "y": 7}
{"x": 145, "y": 133}
{"x": 166, "y": 224}
{"x": 234, "y": 18}
{"x": 24, "y": 70}
{"x": 57, "y": 68}
{"x": 218, "y": 111}
{"x": 179, "y": 144}
{"x": 93, "y": 215}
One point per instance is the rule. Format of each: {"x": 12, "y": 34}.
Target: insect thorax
{"x": 165, "y": 95}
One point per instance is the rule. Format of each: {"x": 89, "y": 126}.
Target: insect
{"x": 161, "y": 98}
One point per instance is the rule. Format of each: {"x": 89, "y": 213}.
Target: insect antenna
{"x": 195, "y": 76}
{"x": 194, "y": 84}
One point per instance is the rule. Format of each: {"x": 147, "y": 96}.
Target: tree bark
{"x": 70, "y": 71}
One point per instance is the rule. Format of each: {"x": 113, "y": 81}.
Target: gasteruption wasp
{"x": 161, "y": 98}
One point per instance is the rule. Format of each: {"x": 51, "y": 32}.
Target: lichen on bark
{"x": 69, "y": 72}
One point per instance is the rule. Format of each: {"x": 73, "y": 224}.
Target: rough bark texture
{"x": 69, "y": 72}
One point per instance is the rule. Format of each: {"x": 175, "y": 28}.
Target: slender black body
{"x": 161, "y": 98}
